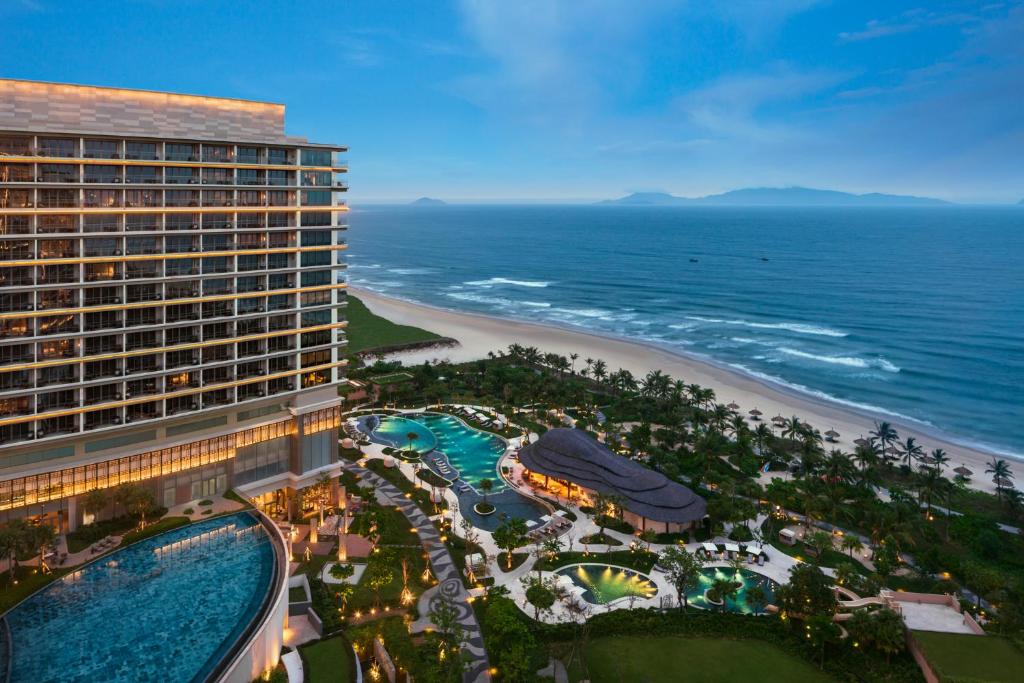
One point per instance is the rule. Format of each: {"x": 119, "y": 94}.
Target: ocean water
{"x": 915, "y": 313}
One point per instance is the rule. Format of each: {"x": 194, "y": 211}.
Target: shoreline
{"x": 479, "y": 333}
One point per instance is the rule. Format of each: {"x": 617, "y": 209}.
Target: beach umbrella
{"x": 756, "y": 414}
{"x": 963, "y": 471}
{"x": 861, "y": 442}
{"x": 733, "y": 406}
{"x": 832, "y": 434}
{"x": 779, "y": 419}
{"x": 1003, "y": 481}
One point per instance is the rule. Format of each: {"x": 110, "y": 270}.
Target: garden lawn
{"x": 367, "y": 331}
{"x": 672, "y": 658}
{"x": 957, "y": 656}
{"x": 328, "y": 661}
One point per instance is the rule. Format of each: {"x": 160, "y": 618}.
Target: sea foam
{"x": 799, "y": 328}
{"x": 490, "y": 282}
{"x": 848, "y": 361}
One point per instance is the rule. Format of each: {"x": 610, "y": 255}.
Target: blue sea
{"x": 917, "y": 313}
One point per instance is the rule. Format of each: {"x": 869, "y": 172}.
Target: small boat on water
{"x": 693, "y": 260}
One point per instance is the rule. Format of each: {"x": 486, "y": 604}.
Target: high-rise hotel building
{"x": 171, "y": 298}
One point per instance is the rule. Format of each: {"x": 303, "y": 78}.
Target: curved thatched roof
{"x": 571, "y": 454}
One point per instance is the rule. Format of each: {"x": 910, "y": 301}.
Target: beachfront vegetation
{"x": 368, "y": 331}
{"x": 913, "y": 521}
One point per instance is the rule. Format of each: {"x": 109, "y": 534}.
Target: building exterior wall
{"x": 171, "y": 294}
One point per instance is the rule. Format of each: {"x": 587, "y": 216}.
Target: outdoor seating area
{"x": 555, "y": 526}
{"x": 480, "y": 417}
{"x": 753, "y": 552}
{"x": 443, "y": 467}
{"x": 103, "y": 545}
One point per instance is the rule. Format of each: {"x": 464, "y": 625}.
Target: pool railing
{"x": 228, "y": 667}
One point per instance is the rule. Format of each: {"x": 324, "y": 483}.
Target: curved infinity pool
{"x": 168, "y": 608}
{"x": 473, "y": 453}
{"x": 737, "y": 603}
{"x": 602, "y": 583}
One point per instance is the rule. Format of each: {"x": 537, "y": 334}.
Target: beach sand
{"x": 479, "y": 334}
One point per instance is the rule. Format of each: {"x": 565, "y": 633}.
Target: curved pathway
{"x": 449, "y": 582}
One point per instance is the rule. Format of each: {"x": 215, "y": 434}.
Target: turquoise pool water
{"x": 165, "y": 609}
{"x": 394, "y": 431}
{"x": 603, "y": 583}
{"x": 738, "y": 603}
{"x": 473, "y": 453}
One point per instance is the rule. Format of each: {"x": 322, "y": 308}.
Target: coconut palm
{"x": 911, "y": 451}
{"x": 851, "y": 544}
{"x": 411, "y": 437}
{"x": 1001, "y": 473}
{"x": 486, "y": 486}
{"x": 885, "y": 434}
{"x": 792, "y": 428}
{"x": 939, "y": 459}
{"x": 723, "y": 589}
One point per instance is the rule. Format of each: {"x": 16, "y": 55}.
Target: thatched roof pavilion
{"x": 571, "y": 455}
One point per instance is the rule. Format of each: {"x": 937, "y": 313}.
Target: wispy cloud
{"x": 911, "y": 21}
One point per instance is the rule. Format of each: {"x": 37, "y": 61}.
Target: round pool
{"x": 604, "y": 583}
{"x": 736, "y": 603}
{"x": 168, "y": 608}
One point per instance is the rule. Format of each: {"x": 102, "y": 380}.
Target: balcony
{"x": 53, "y": 376}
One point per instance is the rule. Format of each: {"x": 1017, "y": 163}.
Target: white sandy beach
{"x": 479, "y": 334}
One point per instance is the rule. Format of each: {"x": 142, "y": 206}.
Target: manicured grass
{"x": 29, "y": 581}
{"x": 390, "y": 594}
{"x": 671, "y": 658}
{"x": 165, "y": 524}
{"x": 600, "y": 539}
{"x": 369, "y": 331}
{"x": 328, "y": 661}
{"x": 296, "y": 594}
{"x": 976, "y": 658}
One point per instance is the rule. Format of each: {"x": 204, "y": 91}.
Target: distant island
{"x": 427, "y": 201}
{"x": 776, "y": 196}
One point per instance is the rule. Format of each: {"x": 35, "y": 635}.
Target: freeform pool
{"x": 394, "y": 431}
{"x": 473, "y": 453}
{"x": 603, "y": 583}
{"x": 745, "y": 577}
{"x": 168, "y": 608}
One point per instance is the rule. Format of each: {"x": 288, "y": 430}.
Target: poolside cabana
{"x": 582, "y": 467}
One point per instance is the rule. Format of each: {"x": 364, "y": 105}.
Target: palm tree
{"x": 885, "y": 434}
{"x": 939, "y": 459}
{"x": 722, "y": 590}
{"x": 852, "y": 543}
{"x": 793, "y": 428}
{"x": 1001, "y": 474}
{"x": 572, "y": 358}
{"x": 486, "y": 486}
{"x": 600, "y": 370}
{"x": 911, "y": 451}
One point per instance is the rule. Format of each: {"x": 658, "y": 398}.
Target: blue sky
{"x": 585, "y": 99}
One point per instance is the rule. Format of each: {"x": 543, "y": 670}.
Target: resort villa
{"x": 582, "y": 467}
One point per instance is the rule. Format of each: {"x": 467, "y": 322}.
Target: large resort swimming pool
{"x": 473, "y": 453}
{"x": 169, "y": 608}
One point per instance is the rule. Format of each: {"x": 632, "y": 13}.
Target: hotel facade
{"x": 171, "y": 299}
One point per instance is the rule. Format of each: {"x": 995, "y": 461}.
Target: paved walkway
{"x": 449, "y": 582}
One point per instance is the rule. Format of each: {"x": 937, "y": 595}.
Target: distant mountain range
{"x": 427, "y": 201}
{"x": 776, "y": 196}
